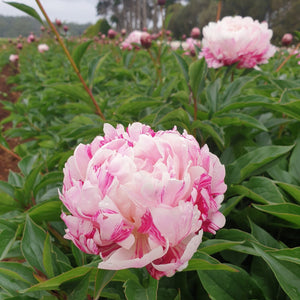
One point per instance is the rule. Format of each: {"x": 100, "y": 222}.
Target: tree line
{"x": 281, "y": 15}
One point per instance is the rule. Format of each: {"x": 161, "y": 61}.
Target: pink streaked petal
{"x": 124, "y": 259}
{"x": 82, "y": 159}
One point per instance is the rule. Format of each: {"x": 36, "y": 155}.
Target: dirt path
{"x": 7, "y": 161}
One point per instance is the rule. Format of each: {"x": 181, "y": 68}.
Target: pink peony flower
{"x": 43, "y": 47}
{"x": 13, "y": 57}
{"x": 133, "y": 38}
{"x": 237, "y": 39}
{"x": 142, "y": 198}
{"x": 31, "y": 38}
{"x": 189, "y": 46}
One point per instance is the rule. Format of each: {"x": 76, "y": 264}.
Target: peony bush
{"x": 142, "y": 198}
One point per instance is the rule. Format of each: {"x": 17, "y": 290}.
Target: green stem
{"x": 59, "y": 39}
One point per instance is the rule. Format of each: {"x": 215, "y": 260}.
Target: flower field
{"x": 178, "y": 179}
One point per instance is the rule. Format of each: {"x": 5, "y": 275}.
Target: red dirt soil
{"x": 7, "y": 160}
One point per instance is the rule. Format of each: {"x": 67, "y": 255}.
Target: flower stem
{"x": 99, "y": 112}
{"x": 10, "y": 152}
{"x": 288, "y": 57}
{"x": 219, "y": 10}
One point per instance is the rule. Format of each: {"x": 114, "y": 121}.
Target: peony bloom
{"x": 142, "y": 198}
{"x": 189, "y": 46}
{"x": 111, "y": 34}
{"x": 133, "y": 38}
{"x": 43, "y": 47}
{"x": 13, "y": 57}
{"x": 31, "y": 38}
{"x": 237, "y": 40}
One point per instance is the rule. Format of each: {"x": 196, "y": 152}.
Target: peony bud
{"x": 66, "y": 28}
{"x": 111, "y": 34}
{"x": 20, "y": 46}
{"x": 146, "y": 40}
{"x": 58, "y": 22}
{"x": 195, "y": 33}
{"x": 161, "y": 2}
{"x": 123, "y": 32}
{"x": 287, "y": 39}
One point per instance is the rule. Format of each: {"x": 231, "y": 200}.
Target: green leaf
{"x": 7, "y": 203}
{"x": 293, "y": 190}
{"x": 81, "y": 289}
{"x": 176, "y": 117}
{"x": 212, "y": 130}
{"x": 103, "y": 277}
{"x": 229, "y": 285}
{"x": 213, "y": 246}
{"x": 254, "y": 162}
{"x": 46, "y": 211}
{"x": 265, "y": 188}
{"x": 135, "y": 291}
{"x": 238, "y": 119}
{"x": 197, "y": 74}
{"x": 79, "y": 51}
{"x": 183, "y": 66}
{"x": 95, "y": 66}
{"x": 212, "y": 95}
{"x": 286, "y": 273}
{"x": 288, "y": 211}
{"x": 47, "y": 257}
{"x": 32, "y": 244}
{"x": 25, "y": 165}
{"x": 55, "y": 282}
{"x": 26, "y": 9}
{"x": 202, "y": 261}
{"x": 289, "y": 254}
{"x": 264, "y": 237}
{"x": 7, "y": 238}
{"x": 295, "y": 162}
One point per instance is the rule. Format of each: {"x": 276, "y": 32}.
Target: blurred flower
{"x": 133, "y": 40}
{"x": 287, "y": 39}
{"x": 161, "y": 2}
{"x": 146, "y": 40}
{"x": 237, "y": 40}
{"x": 111, "y": 33}
{"x": 189, "y": 46}
{"x": 31, "y": 38}
{"x": 58, "y": 22}
{"x": 195, "y": 33}
{"x": 13, "y": 57}
{"x": 142, "y": 198}
{"x": 123, "y": 32}
{"x": 20, "y": 46}
{"x": 42, "y": 28}
{"x": 43, "y": 47}
{"x": 66, "y": 28}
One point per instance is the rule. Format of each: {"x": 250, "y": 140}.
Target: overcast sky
{"x": 78, "y": 11}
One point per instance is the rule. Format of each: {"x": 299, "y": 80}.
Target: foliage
{"x": 249, "y": 118}
{"x": 101, "y": 26}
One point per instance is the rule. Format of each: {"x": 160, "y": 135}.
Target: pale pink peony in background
{"x": 142, "y": 198}
{"x": 189, "y": 46}
{"x": 13, "y": 57}
{"x": 237, "y": 40}
{"x": 133, "y": 38}
{"x": 43, "y": 47}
